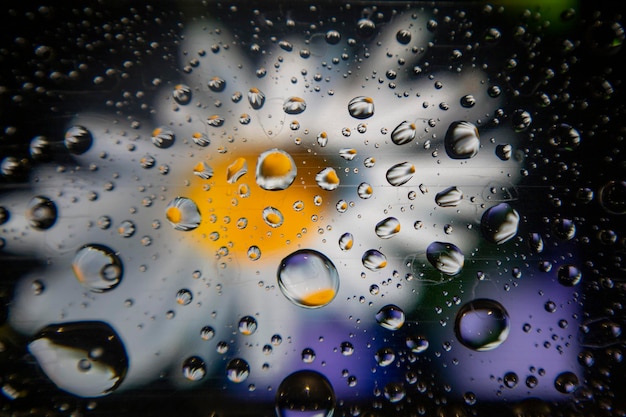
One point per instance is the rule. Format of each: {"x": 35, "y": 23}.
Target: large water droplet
{"x": 97, "y": 268}
{"x": 499, "y": 223}
{"x": 400, "y": 174}
{"x": 183, "y": 214}
{"x": 445, "y": 257}
{"x": 569, "y": 275}
{"x": 162, "y": 137}
{"x": 364, "y": 190}
{"x": 273, "y": 217}
{"x": 308, "y": 278}
{"x": 361, "y": 107}
{"x": 391, "y": 317}
{"x": 194, "y": 368}
{"x": 87, "y": 359}
{"x": 450, "y": 197}
{"x": 247, "y": 325}
{"x": 217, "y": 84}
{"x": 305, "y": 394}
{"x": 387, "y": 228}
{"x": 237, "y": 370}
{"x": 275, "y": 170}
{"x": 462, "y": 140}
{"x": 181, "y": 94}
{"x": 41, "y": 213}
{"x": 403, "y": 133}
{"x": 256, "y": 98}
{"x": 482, "y": 324}
{"x": 294, "y": 105}
{"x": 78, "y": 140}
{"x": 374, "y": 260}
{"x": 237, "y": 169}
{"x": 566, "y": 382}
{"x": 346, "y": 241}
{"x": 613, "y": 197}
{"x": 327, "y": 179}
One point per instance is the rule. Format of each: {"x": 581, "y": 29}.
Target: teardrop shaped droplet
{"x": 256, "y": 98}
{"x": 97, "y": 268}
{"x": 400, "y": 174}
{"x": 403, "y": 133}
{"x": 87, "y": 359}
{"x": 183, "y": 214}
{"x": 445, "y": 257}
{"x": 346, "y": 241}
{"x": 482, "y": 324}
{"x": 450, "y": 197}
{"x": 308, "y": 278}
{"x": 499, "y": 223}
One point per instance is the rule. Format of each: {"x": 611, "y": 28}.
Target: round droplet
{"x": 403, "y": 36}
{"x": 365, "y": 27}
{"x": 275, "y": 170}
{"x": 385, "y": 356}
{"x": 256, "y": 98}
{"x": 566, "y": 382}
{"x": 327, "y": 179}
{"x": 254, "y": 253}
{"x": 200, "y": 139}
{"x": 564, "y": 136}
{"x": 126, "y": 228}
{"x": 181, "y": 94}
{"x": 87, "y": 359}
{"x": 184, "y": 297}
{"x": 364, "y": 190}
{"x": 347, "y": 349}
{"x": 613, "y": 197}
{"x": 450, "y": 197}
{"x": 237, "y": 370}
{"x": 510, "y": 379}
{"x": 294, "y": 105}
{"x": 78, "y": 140}
{"x": 194, "y": 368}
{"x": 564, "y": 229}
{"x": 403, "y": 133}
{"x": 387, "y": 228}
{"x": 417, "y": 344}
{"x": 504, "y": 152}
{"x": 445, "y": 257}
{"x": 400, "y": 174}
{"x": 305, "y": 394}
{"x": 374, "y": 260}
{"x": 247, "y": 325}
{"x": 462, "y": 140}
{"x": 217, "y": 84}
{"x": 183, "y": 214}
{"x": 468, "y": 101}
{"x": 162, "y": 137}
{"x": 273, "y": 217}
{"x": 346, "y": 241}
{"x": 499, "y": 223}
{"x": 391, "y": 317}
{"x": 207, "y": 333}
{"x": 147, "y": 161}
{"x": 308, "y": 278}
{"x": 41, "y": 213}
{"x": 203, "y": 170}
{"x": 482, "y": 325}
{"x": 361, "y": 107}
{"x": 521, "y": 120}
{"x": 307, "y": 355}
{"x": 333, "y": 37}
{"x": 394, "y": 392}
{"x": 41, "y": 148}
{"x": 569, "y": 275}
{"x": 97, "y": 268}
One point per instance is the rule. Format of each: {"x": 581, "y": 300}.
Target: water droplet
{"x": 348, "y": 153}
{"x": 273, "y": 217}
{"x": 203, "y": 170}
{"x": 254, "y": 253}
{"x": 184, "y": 297}
{"x": 521, "y": 120}
{"x": 86, "y": 359}
{"x": 346, "y": 241}
{"x": 207, "y": 333}
{"x": 181, "y": 94}
{"x": 217, "y": 84}
{"x": 450, "y": 197}
{"x": 305, "y": 394}
{"x": 387, "y": 228}
{"x": 445, "y": 257}
{"x": 41, "y": 213}
{"x": 327, "y": 179}
{"x": 237, "y": 169}
{"x": 78, "y": 140}
{"x": 256, "y": 98}
{"x": 275, "y": 170}
{"x": 365, "y": 27}
{"x": 504, "y": 152}
{"x": 564, "y": 229}
{"x": 403, "y": 36}
{"x": 237, "y": 370}
{"x": 564, "y": 136}
{"x": 566, "y": 382}
{"x": 569, "y": 275}
{"x": 417, "y": 344}
{"x": 482, "y": 324}
{"x": 468, "y": 101}
{"x": 294, "y": 105}
{"x": 200, "y": 139}
{"x": 307, "y": 355}
{"x": 215, "y": 120}
{"x": 391, "y": 317}
{"x": 374, "y": 260}
{"x": 613, "y": 197}
{"x": 126, "y": 228}
{"x": 510, "y": 379}
{"x": 462, "y": 140}
{"x": 333, "y": 37}
{"x": 385, "y": 356}
{"x": 347, "y": 349}
{"x": 97, "y": 268}
{"x": 403, "y": 133}
{"x": 147, "y": 161}
{"x": 194, "y": 368}
{"x": 361, "y": 107}
{"x": 183, "y": 214}
{"x": 162, "y": 137}
{"x": 322, "y": 139}
{"x": 400, "y": 174}
{"x": 499, "y": 223}
{"x": 394, "y": 392}
{"x": 365, "y": 190}
{"x": 308, "y": 278}
{"x": 247, "y": 325}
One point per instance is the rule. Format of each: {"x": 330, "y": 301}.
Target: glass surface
{"x": 312, "y": 209}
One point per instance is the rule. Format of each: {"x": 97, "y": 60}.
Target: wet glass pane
{"x": 312, "y": 209}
